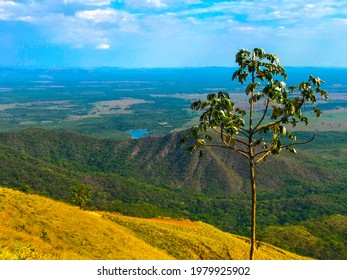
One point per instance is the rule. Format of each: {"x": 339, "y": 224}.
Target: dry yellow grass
{"x": 33, "y": 227}
{"x": 189, "y": 240}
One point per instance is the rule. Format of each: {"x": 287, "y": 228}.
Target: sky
{"x": 170, "y": 33}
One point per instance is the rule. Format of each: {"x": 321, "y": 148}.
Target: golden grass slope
{"x": 33, "y": 227}
{"x": 189, "y": 240}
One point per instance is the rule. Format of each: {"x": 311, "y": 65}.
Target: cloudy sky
{"x": 170, "y": 33}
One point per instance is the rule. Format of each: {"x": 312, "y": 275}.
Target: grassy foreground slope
{"x": 185, "y": 239}
{"x": 34, "y": 227}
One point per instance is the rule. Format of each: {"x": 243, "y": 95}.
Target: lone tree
{"x": 81, "y": 194}
{"x": 260, "y": 128}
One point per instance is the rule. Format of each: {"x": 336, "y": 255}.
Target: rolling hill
{"x": 34, "y": 227}
{"x": 321, "y": 237}
{"x": 161, "y": 161}
{"x": 154, "y": 176}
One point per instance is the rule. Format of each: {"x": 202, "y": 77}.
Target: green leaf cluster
{"x": 81, "y": 194}
{"x": 280, "y": 107}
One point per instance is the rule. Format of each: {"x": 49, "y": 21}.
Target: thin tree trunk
{"x": 254, "y": 209}
{"x": 252, "y": 167}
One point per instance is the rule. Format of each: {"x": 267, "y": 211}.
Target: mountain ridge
{"x": 154, "y": 176}
{"x": 160, "y": 161}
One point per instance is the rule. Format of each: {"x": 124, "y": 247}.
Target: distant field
{"x": 158, "y": 113}
{"x": 110, "y": 102}
{"x": 50, "y": 105}
{"x": 111, "y": 107}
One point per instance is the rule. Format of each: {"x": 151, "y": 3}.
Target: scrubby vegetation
{"x": 322, "y": 238}
{"x": 33, "y": 227}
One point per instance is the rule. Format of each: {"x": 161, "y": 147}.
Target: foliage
{"x": 322, "y": 239}
{"x": 81, "y": 194}
{"x": 229, "y": 122}
{"x": 282, "y": 106}
{"x": 159, "y": 181}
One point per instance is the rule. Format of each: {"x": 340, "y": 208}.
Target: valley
{"x": 118, "y": 132}
{"x": 155, "y": 177}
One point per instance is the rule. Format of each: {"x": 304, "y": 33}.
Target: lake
{"x": 138, "y": 133}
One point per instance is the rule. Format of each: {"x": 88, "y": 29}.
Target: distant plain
{"x": 108, "y": 102}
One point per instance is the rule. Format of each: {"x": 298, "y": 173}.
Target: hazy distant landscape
{"x": 108, "y": 102}
{"x": 62, "y": 127}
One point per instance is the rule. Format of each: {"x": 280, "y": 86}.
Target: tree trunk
{"x": 254, "y": 208}
{"x": 252, "y": 165}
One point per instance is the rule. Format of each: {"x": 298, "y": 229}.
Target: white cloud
{"x": 106, "y": 15}
{"x": 27, "y": 19}
{"x": 88, "y": 2}
{"x": 103, "y": 46}
{"x": 146, "y": 3}
{"x": 107, "y": 20}
{"x": 184, "y": 28}
{"x": 157, "y": 3}
{"x": 8, "y": 3}
{"x": 190, "y": 2}
{"x": 7, "y": 10}
{"x": 293, "y": 11}
{"x": 89, "y": 28}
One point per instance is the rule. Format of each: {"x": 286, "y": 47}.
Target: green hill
{"x": 34, "y": 227}
{"x": 323, "y": 239}
{"x": 161, "y": 161}
{"x": 154, "y": 176}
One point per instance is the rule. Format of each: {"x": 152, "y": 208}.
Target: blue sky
{"x": 170, "y": 33}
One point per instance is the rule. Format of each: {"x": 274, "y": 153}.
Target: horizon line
{"x": 143, "y": 68}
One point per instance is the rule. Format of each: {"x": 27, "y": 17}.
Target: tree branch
{"x": 300, "y": 143}
{"x": 245, "y": 132}
{"x": 264, "y": 114}
{"x": 225, "y": 135}
{"x": 222, "y": 133}
{"x": 265, "y": 125}
{"x": 239, "y": 141}
{"x": 262, "y": 152}
{"x": 241, "y": 152}
{"x": 266, "y": 153}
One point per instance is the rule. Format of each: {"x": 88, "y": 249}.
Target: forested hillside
{"x": 154, "y": 176}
